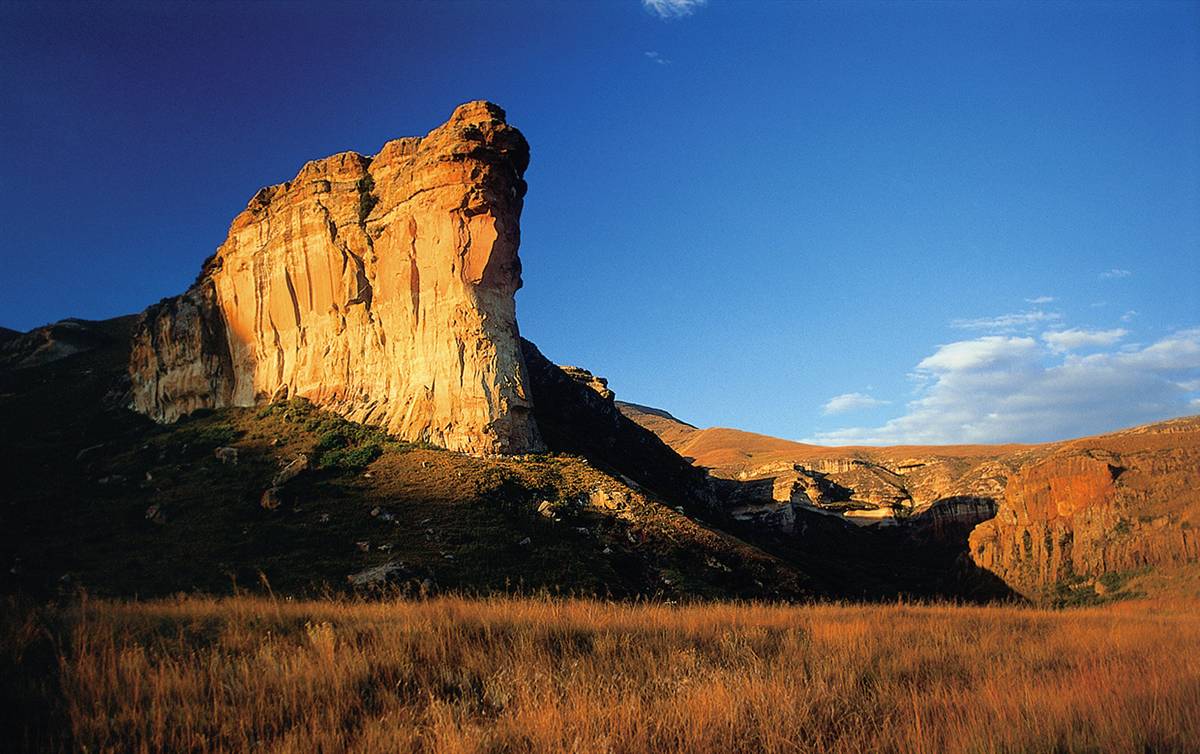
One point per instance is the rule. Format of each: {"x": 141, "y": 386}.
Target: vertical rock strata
{"x": 379, "y": 287}
{"x": 1098, "y": 506}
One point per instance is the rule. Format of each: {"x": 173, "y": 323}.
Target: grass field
{"x": 529, "y": 675}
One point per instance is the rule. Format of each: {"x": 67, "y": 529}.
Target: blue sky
{"x": 843, "y": 222}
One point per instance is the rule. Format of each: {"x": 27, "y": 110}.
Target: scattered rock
{"x": 715, "y": 564}
{"x": 227, "y": 455}
{"x": 89, "y": 450}
{"x": 291, "y": 471}
{"x": 608, "y": 500}
{"x": 363, "y": 546}
{"x": 323, "y": 518}
{"x": 525, "y": 542}
{"x": 377, "y": 575}
{"x": 156, "y": 515}
{"x": 270, "y": 499}
{"x": 583, "y": 530}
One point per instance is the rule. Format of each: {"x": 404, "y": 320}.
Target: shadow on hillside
{"x": 68, "y": 511}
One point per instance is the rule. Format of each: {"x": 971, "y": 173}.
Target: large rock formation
{"x": 379, "y": 287}
{"x": 1098, "y": 506}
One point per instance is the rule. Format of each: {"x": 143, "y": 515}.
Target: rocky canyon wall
{"x": 378, "y": 287}
{"x": 1098, "y": 506}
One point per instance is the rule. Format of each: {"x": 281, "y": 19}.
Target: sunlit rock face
{"x": 378, "y": 287}
{"x": 1099, "y": 505}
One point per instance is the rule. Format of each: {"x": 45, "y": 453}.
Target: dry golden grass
{"x": 528, "y": 675}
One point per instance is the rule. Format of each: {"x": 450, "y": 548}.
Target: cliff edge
{"x": 377, "y": 287}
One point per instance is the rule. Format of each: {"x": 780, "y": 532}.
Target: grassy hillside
{"x": 100, "y": 498}
{"x": 455, "y": 675}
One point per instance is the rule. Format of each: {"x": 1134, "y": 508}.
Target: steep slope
{"x": 671, "y": 430}
{"x": 378, "y": 287}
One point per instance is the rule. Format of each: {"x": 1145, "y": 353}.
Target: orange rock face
{"x": 379, "y": 287}
{"x": 1096, "y": 506}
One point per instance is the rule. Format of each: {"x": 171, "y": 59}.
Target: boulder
{"x": 270, "y": 499}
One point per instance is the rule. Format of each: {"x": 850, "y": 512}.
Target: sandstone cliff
{"x": 1098, "y": 506}
{"x": 379, "y": 287}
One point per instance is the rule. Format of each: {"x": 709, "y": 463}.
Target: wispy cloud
{"x": 1061, "y": 341}
{"x": 1129, "y": 315}
{"x": 1016, "y": 389}
{"x": 1008, "y": 322}
{"x": 1040, "y": 300}
{"x": 1115, "y": 274}
{"x": 840, "y": 404}
{"x": 673, "y": 8}
{"x": 655, "y": 57}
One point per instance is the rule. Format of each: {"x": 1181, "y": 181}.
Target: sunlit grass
{"x": 458, "y": 675}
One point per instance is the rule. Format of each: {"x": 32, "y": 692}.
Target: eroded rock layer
{"x": 1097, "y": 506}
{"x": 379, "y": 287}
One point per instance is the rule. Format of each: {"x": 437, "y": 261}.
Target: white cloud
{"x": 1008, "y": 322}
{"x": 1014, "y": 389}
{"x": 1129, "y": 315}
{"x": 1061, "y": 341}
{"x": 840, "y": 404}
{"x": 673, "y": 8}
{"x": 1040, "y": 300}
{"x": 655, "y": 57}
{"x": 1114, "y": 274}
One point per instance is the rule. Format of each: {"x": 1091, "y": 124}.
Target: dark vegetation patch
{"x": 101, "y": 499}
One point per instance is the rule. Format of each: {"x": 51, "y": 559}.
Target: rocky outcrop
{"x": 1094, "y": 507}
{"x": 378, "y": 287}
{"x": 576, "y": 413}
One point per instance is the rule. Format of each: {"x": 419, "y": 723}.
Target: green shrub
{"x": 350, "y": 459}
{"x": 207, "y": 437}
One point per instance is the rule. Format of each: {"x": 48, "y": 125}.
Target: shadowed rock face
{"x": 378, "y": 287}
